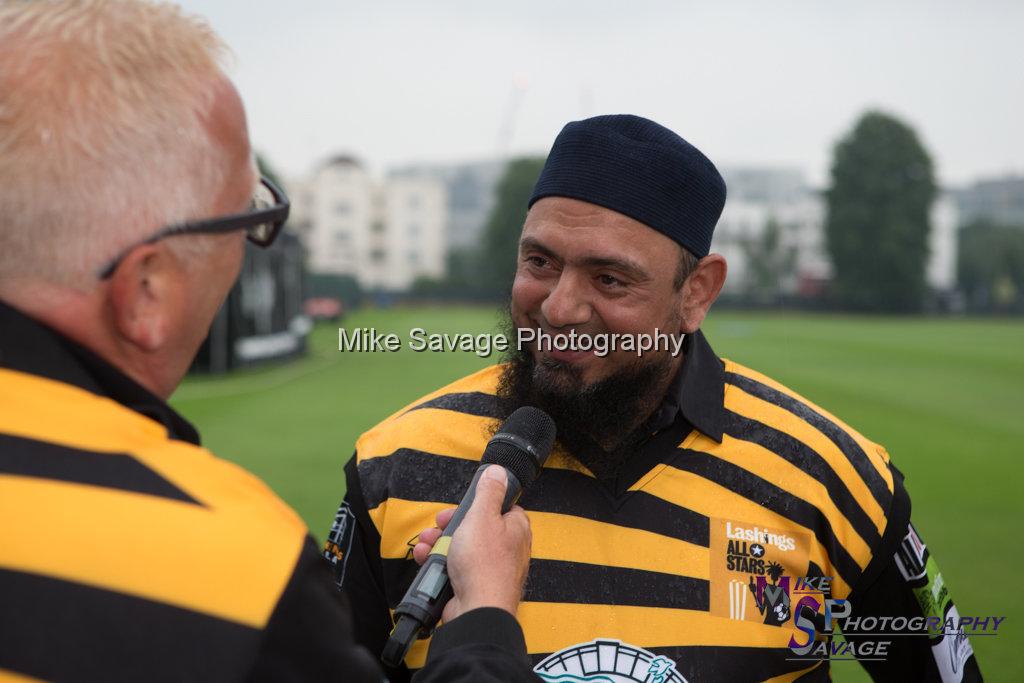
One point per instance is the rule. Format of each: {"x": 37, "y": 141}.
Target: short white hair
{"x": 102, "y": 139}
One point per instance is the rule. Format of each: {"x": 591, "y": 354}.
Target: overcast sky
{"x": 750, "y": 83}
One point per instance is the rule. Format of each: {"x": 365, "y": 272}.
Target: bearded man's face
{"x": 594, "y": 271}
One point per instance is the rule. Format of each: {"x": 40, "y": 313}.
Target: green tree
{"x": 878, "y": 216}
{"x": 497, "y": 258}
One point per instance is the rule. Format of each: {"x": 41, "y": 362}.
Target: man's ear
{"x": 144, "y": 299}
{"x": 700, "y": 290}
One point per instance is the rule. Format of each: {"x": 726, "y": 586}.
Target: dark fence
{"x": 262, "y": 319}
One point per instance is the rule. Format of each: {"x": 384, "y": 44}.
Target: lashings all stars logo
{"x": 607, "y": 661}
{"x": 751, "y": 566}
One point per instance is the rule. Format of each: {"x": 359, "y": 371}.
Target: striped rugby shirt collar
{"x": 29, "y": 346}
{"x": 697, "y": 393}
{"x": 695, "y": 399}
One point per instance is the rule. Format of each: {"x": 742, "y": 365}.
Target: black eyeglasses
{"x": 262, "y": 222}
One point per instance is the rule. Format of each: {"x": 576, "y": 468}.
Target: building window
{"x": 414, "y": 258}
{"x": 342, "y": 209}
{"x": 414, "y": 230}
{"x": 377, "y": 255}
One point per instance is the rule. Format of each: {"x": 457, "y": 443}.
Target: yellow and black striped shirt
{"x": 130, "y": 553}
{"x": 674, "y": 563}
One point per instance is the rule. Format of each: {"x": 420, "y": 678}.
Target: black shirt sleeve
{"x": 902, "y": 581}
{"x": 309, "y": 635}
{"x": 353, "y": 548}
{"x": 483, "y": 645}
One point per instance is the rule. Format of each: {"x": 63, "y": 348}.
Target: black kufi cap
{"x": 640, "y": 169}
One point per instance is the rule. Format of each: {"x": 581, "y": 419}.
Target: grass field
{"x": 946, "y": 397}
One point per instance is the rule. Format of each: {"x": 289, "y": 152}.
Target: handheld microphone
{"x": 521, "y": 445}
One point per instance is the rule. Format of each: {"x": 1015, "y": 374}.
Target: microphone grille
{"x": 522, "y": 443}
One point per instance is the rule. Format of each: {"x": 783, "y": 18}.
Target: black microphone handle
{"x": 512, "y": 492}
{"x": 421, "y": 607}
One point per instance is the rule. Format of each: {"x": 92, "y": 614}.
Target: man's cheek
{"x": 527, "y": 295}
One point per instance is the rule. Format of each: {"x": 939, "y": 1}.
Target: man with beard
{"x": 678, "y": 480}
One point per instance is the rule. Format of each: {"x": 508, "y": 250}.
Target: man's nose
{"x": 568, "y": 303}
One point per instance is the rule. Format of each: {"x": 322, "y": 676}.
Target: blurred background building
{"x": 998, "y": 200}
{"x": 470, "y": 187}
{"x": 383, "y": 233}
{"x": 772, "y": 235}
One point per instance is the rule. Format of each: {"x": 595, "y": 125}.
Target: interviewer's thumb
{"x": 490, "y": 491}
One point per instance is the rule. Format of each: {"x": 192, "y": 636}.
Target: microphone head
{"x": 522, "y": 443}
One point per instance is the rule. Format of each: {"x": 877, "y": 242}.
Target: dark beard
{"x": 601, "y": 423}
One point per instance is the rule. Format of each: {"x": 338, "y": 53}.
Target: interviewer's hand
{"x": 490, "y": 552}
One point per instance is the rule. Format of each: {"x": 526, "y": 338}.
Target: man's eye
{"x": 538, "y": 261}
{"x": 610, "y": 281}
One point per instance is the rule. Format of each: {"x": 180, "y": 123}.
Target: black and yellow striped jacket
{"x": 673, "y": 567}
{"x": 130, "y": 553}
